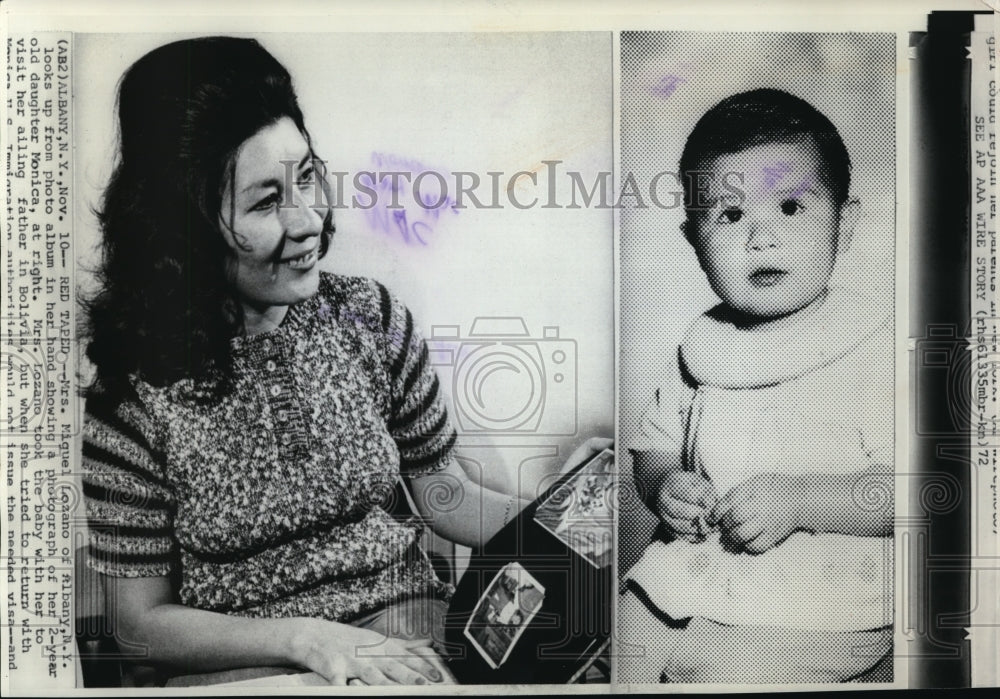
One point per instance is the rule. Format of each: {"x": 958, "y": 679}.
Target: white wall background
{"x": 473, "y": 102}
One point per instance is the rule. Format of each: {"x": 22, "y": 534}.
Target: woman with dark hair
{"x": 250, "y": 414}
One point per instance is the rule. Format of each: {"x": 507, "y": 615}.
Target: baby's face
{"x": 773, "y": 253}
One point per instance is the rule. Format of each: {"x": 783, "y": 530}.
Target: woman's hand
{"x": 594, "y": 445}
{"x": 684, "y": 503}
{"x": 761, "y": 512}
{"x": 340, "y": 652}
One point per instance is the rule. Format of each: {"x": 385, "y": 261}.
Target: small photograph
{"x": 580, "y": 513}
{"x": 510, "y": 602}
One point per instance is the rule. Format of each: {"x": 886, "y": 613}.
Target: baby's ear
{"x": 849, "y": 212}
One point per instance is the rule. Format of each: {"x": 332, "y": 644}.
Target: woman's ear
{"x": 849, "y": 212}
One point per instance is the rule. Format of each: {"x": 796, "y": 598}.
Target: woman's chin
{"x": 306, "y": 287}
{"x": 288, "y": 291}
{"x": 303, "y": 285}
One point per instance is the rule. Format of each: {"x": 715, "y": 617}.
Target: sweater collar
{"x": 265, "y": 342}
{"x": 717, "y": 352}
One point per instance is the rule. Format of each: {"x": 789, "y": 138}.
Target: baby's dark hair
{"x": 750, "y": 119}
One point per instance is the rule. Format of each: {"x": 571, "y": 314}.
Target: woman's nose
{"x": 305, "y": 216}
{"x": 761, "y": 237}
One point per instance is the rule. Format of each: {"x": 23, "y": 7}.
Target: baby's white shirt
{"x": 813, "y": 393}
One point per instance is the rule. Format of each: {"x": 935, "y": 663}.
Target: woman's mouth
{"x": 767, "y": 277}
{"x": 303, "y": 261}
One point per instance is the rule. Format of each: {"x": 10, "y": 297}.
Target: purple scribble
{"x": 396, "y": 221}
{"x": 390, "y": 215}
{"x": 774, "y": 174}
{"x": 668, "y": 85}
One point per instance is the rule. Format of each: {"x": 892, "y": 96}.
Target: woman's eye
{"x": 790, "y": 207}
{"x": 307, "y": 176}
{"x": 730, "y": 214}
{"x": 267, "y": 202}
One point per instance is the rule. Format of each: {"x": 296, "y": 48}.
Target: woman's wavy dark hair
{"x": 165, "y": 309}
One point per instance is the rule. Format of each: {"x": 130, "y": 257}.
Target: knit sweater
{"x": 268, "y": 498}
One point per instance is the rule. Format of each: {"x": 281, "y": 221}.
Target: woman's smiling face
{"x": 272, "y": 215}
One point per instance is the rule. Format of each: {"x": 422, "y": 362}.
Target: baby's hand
{"x": 684, "y": 502}
{"x": 759, "y": 513}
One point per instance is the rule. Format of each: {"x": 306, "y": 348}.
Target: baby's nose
{"x": 762, "y": 237}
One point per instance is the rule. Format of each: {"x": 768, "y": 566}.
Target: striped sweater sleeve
{"x": 129, "y": 506}
{"x": 418, "y": 416}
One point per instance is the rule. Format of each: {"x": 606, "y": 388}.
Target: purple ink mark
{"x": 804, "y": 187}
{"x": 667, "y": 86}
{"x": 363, "y": 322}
{"x": 772, "y": 175}
{"x": 325, "y": 312}
{"x": 397, "y": 221}
{"x": 390, "y": 213}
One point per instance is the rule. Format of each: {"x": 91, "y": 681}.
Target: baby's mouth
{"x": 767, "y": 277}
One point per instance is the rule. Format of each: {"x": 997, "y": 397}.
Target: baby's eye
{"x": 731, "y": 214}
{"x": 790, "y": 207}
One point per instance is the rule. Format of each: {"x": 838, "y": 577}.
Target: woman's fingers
{"x": 586, "y": 450}
{"x": 403, "y": 663}
{"x": 354, "y": 656}
{"x": 423, "y": 667}
{"x": 416, "y": 643}
{"x": 596, "y": 444}
{"x": 372, "y": 675}
{"x": 400, "y": 673}
{"x": 336, "y": 671}
{"x": 405, "y": 669}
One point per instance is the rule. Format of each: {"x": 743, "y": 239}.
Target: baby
{"x": 767, "y": 451}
